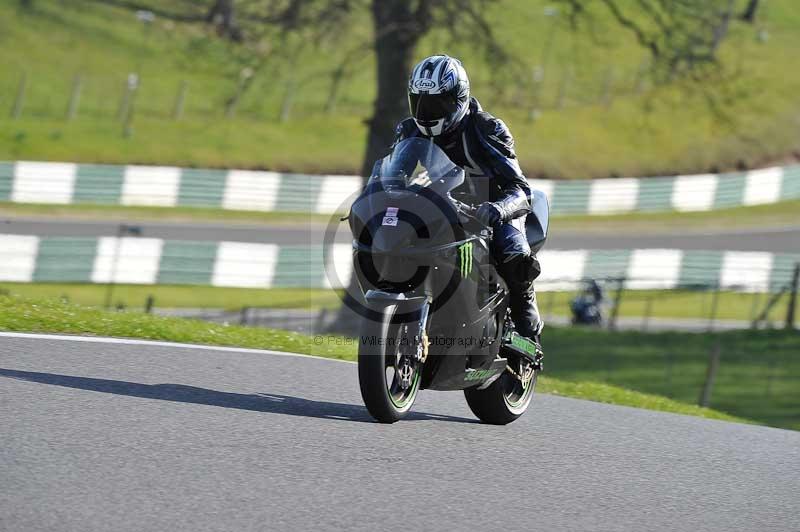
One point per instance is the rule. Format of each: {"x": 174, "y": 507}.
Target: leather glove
{"x": 489, "y": 213}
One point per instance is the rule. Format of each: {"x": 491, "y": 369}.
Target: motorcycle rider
{"x": 442, "y": 109}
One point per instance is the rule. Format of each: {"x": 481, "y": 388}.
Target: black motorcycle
{"x": 435, "y": 311}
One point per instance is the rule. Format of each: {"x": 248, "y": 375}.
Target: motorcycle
{"x": 435, "y": 310}
{"x": 587, "y": 307}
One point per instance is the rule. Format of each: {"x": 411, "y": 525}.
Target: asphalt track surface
{"x": 116, "y": 436}
{"x": 775, "y": 239}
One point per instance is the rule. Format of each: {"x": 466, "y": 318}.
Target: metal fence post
{"x": 648, "y": 309}
{"x": 612, "y": 322}
{"x": 128, "y": 102}
{"x": 713, "y": 315}
{"x": 793, "y": 297}
{"x": 19, "y": 101}
{"x": 245, "y": 77}
{"x": 180, "y": 100}
{"x": 122, "y": 230}
{"x": 75, "y": 97}
{"x": 754, "y": 306}
{"x": 711, "y": 374}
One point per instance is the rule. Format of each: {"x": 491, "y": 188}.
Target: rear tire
{"x": 499, "y": 404}
{"x": 385, "y": 401}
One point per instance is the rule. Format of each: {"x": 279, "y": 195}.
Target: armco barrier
{"x": 64, "y": 183}
{"x": 236, "y": 264}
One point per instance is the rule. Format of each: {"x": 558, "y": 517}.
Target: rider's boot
{"x": 525, "y": 313}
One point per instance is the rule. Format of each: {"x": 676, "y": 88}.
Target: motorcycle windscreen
{"x": 419, "y": 163}
{"x": 406, "y": 202}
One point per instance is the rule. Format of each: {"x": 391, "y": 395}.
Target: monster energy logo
{"x": 465, "y": 255}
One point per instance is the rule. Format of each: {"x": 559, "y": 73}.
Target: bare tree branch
{"x": 682, "y": 36}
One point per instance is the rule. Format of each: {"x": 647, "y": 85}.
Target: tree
{"x": 399, "y": 25}
{"x": 682, "y": 36}
{"x": 223, "y": 16}
{"x": 749, "y": 13}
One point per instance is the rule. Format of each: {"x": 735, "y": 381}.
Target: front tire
{"x": 505, "y": 400}
{"x": 379, "y": 374}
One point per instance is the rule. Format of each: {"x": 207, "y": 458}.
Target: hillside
{"x": 598, "y": 118}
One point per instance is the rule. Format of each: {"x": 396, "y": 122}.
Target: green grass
{"x": 662, "y": 304}
{"x": 677, "y": 304}
{"x": 784, "y": 213}
{"x": 661, "y": 131}
{"x": 179, "y": 296}
{"x": 54, "y": 316}
{"x": 617, "y": 395}
{"x": 758, "y": 378}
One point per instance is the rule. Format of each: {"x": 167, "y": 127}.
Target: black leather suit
{"x": 484, "y": 147}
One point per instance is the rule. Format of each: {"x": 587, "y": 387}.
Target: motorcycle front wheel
{"x": 389, "y": 377}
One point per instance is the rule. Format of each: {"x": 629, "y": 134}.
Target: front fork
{"x": 414, "y": 353}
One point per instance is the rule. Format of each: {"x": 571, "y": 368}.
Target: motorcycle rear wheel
{"x": 502, "y": 402}
{"x": 379, "y": 366}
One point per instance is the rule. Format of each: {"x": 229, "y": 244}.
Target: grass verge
{"x": 54, "y": 316}
{"x": 758, "y": 376}
{"x": 776, "y": 214}
{"x": 178, "y": 296}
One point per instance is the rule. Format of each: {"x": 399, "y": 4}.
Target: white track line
{"x": 154, "y": 343}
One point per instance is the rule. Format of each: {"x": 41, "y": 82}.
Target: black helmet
{"x": 438, "y": 94}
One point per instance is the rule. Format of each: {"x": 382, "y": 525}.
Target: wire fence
{"x": 273, "y": 95}
{"x": 697, "y": 307}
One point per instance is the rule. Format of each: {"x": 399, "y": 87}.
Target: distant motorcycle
{"x": 436, "y": 312}
{"x": 587, "y": 307}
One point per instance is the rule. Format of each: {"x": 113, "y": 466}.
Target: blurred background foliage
{"x": 589, "y": 87}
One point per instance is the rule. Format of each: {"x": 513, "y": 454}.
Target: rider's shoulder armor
{"x": 496, "y": 133}
{"x": 497, "y": 147}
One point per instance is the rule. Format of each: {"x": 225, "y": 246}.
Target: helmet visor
{"x": 432, "y": 107}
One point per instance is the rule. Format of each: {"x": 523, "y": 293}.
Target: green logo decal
{"x": 479, "y": 374}
{"x": 520, "y": 342}
{"x": 465, "y": 256}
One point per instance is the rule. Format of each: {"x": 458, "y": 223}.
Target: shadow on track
{"x": 266, "y": 402}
